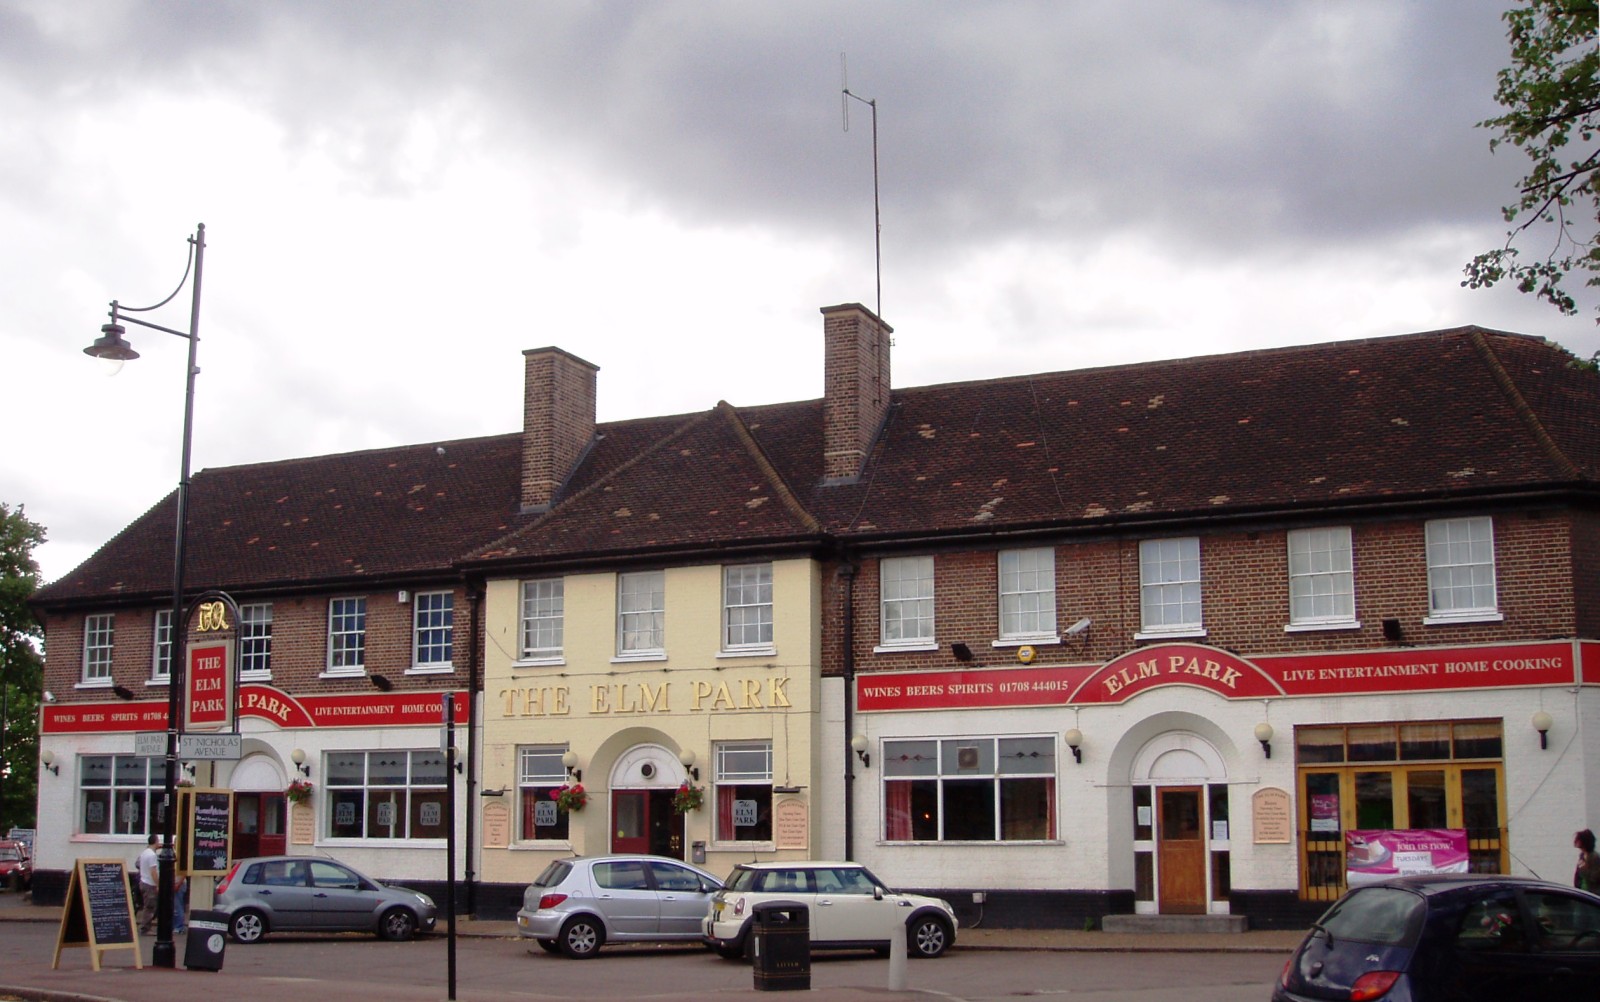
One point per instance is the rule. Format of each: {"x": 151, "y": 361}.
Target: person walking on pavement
{"x": 147, "y": 865}
{"x": 1587, "y": 875}
{"x": 180, "y": 904}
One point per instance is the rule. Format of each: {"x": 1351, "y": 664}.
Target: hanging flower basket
{"x": 570, "y": 798}
{"x": 687, "y": 798}
{"x": 299, "y": 791}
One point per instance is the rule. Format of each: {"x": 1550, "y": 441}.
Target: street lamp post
{"x": 111, "y": 345}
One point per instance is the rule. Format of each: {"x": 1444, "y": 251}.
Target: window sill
{"x": 1187, "y": 633}
{"x": 554, "y": 662}
{"x": 1485, "y": 616}
{"x": 749, "y": 652}
{"x": 540, "y": 845}
{"x": 1025, "y": 641}
{"x": 999, "y": 843}
{"x": 163, "y": 682}
{"x": 343, "y": 673}
{"x": 256, "y": 676}
{"x": 631, "y": 658}
{"x": 736, "y": 846}
{"x": 902, "y": 648}
{"x": 1342, "y": 624}
{"x": 96, "y": 684}
{"x": 444, "y": 669}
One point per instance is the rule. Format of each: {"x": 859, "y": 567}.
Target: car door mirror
{"x": 877, "y": 892}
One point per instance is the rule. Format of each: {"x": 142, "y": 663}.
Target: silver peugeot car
{"x": 266, "y": 894}
{"x": 578, "y": 905}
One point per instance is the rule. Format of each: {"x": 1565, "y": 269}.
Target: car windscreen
{"x": 8, "y": 853}
{"x": 1384, "y": 915}
{"x": 553, "y": 874}
{"x": 742, "y": 879}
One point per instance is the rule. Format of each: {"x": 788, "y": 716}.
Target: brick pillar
{"x": 558, "y": 418}
{"x": 855, "y": 396}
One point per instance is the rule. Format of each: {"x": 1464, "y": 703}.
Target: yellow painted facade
{"x": 629, "y": 722}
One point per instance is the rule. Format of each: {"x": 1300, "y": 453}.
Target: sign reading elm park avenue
{"x": 265, "y": 702}
{"x": 1232, "y": 676}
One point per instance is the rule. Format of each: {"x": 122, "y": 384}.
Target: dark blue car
{"x": 1450, "y": 938}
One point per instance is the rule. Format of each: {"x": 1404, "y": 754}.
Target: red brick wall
{"x": 856, "y": 386}
{"x": 558, "y": 420}
{"x": 1245, "y": 604}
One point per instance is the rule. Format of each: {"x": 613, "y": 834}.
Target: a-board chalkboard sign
{"x": 99, "y": 911}
{"x": 205, "y": 832}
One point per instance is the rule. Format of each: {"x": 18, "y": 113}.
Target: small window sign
{"x": 544, "y": 813}
{"x": 744, "y": 813}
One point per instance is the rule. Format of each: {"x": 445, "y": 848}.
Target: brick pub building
{"x": 1140, "y": 639}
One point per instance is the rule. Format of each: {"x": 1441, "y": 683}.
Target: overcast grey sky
{"x": 401, "y": 197}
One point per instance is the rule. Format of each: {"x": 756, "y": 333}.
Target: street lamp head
{"x": 110, "y": 345}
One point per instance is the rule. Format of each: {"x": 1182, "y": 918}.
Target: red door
{"x": 259, "y": 825}
{"x": 630, "y": 812}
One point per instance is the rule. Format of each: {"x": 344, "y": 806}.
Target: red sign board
{"x": 208, "y": 688}
{"x": 389, "y": 709}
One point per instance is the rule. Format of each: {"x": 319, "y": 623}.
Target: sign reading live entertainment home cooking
{"x": 1410, "y": 669}
{"x": 390, "y": 709}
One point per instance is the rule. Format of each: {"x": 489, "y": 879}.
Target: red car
{"x": 16, "y": 867}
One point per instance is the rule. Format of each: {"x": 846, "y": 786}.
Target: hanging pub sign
{"x": 208, "y": 686}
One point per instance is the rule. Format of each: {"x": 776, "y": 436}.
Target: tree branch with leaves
{"x": 1551, "y": 93}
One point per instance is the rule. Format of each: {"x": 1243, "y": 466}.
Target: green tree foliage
{"x": 1551, "y": 93}
{"x": 21, "y": 668}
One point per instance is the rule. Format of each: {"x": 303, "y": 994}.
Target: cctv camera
{"x": 1078, "y": 627}
{"x": 49, "y": 697}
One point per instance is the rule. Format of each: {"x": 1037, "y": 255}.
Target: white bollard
{"x": 897, "y": 962}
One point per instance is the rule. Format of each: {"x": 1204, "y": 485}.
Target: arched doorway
{"x": 1180, "y": 796}
{"x": 642, "y": 819}
{"x": 260, "y": 814}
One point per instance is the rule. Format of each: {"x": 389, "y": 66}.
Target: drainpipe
{"x": 474, "y": 609}
{"x": 847, "y": 574}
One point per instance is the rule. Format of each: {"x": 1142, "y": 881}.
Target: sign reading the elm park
{"x": 1229, "y": 675}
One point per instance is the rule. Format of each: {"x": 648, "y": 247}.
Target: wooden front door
{"x": 1181, "y": 851}
{"x": 644, "y": 821}
{"x": 260, "y": 825}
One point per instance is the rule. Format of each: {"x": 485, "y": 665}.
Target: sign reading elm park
{"x": 389, "y": 709}
{"x": 1230, "y": 675}
{"x": 208, "y": 687}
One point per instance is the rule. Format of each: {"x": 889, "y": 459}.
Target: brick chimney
{"x": 855, "y": 395}
{"x": 557, "y": 420}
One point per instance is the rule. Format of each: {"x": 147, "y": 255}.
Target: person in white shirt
{"x": 147, "y": 865}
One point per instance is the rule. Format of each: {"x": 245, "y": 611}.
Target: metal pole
{"x": 450, "y": 836}
{"x": 164, "y": 954}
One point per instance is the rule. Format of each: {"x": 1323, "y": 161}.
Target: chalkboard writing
{"x": 99, "y": 911}
{"x": 209, "y": 830}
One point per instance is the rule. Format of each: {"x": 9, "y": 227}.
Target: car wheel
{"x": 582, "y": 937}
{"x": 548, "y": 945}
{"x": 928, "y": 936}
{"x": 397, "y": 924}
{"x": 733, "y": 952}
{"x": 248, "y": 926}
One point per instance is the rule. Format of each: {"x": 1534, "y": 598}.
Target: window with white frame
{"x": 1461, "y": 583}
{"x": 1169, "y": 585}
{"x": 970, "y": 789}
{"x": 1321, "y": 577}
{"x": 906, "y": 594}
{"x": 255, "y": 641}
{"x": 641, "y": 614}
{"x": 161, "y": 658}
{"x": 747, "y": 607}
{"x": 543, "y": 616}
{"x": 1027, "y": 594}
{"x": 120, "y": 794}
{"x": 386, "y": 794}
{"x": 98, "y": 631}
{"x": 540, "y": 776}
{"x": 744, "y": 791}
{"x": 347, "y": 635}
{"x": 433, "y": 622}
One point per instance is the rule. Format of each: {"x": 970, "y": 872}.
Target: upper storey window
{"x": 906, "y": 593}
{"x": 1028, "y": 594}
{"x": 433, "y": 614}
{"x": 347, "y": 636}
{"x": 1169, "y": 587}
{"x": 1461, "y": 583}
{"x": 543, "y": 616}
{"x": 747, "y": 608}
{"x": 642, "y": 614}
{"x": 98, "y": 631}
{"x": 1321, "y": 578}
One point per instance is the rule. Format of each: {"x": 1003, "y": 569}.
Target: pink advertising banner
{"x": 1377, "y": 854}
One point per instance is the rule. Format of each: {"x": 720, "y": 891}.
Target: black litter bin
{"x": 780, "y": 946}
{"x": 208, "y": 935}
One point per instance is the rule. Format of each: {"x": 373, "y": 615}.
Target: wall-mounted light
{"x": 1264, "y": 735}
{"x": 47, "y": 758}
{"x": 486, "y": 792}
{"x": 1075, "y": 742}
{"x": 961, "y": 651}
{"x": 298, "y": 756}
{"x": 686, "y": 759}
{"x": 1392, "y": 631}
{"x": 380, "y": 682}
{"x": 1541, "y": 723}
{"x": 570, "y": 760}
{"x": 858, "y": 744}
{"x": 455, "y": 758}
{"x": 188, "y": 769}
{"x": 122, "y": 691}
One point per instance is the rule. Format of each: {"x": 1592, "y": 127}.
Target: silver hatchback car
{"x": 265, "y": 894}
{"x": 578, "y": 905}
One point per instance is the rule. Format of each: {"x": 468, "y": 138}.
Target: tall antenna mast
{"x": 877, "y": 220}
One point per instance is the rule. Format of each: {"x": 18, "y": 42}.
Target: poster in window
{"x": 1377, "y": 854}
{"x": 386, "y": 815}
{"x": 544, "y": 813}
{"x": 1324, "y": 812}
{"x": 744, "y": 813}
{"x": 344, "y": 814}
{"x": 431, "y": 813}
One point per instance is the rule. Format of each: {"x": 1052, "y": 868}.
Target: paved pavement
{"x": 33, "y": 979}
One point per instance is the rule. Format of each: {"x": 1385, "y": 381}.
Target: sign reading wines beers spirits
{"x": 99, "y": 912}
